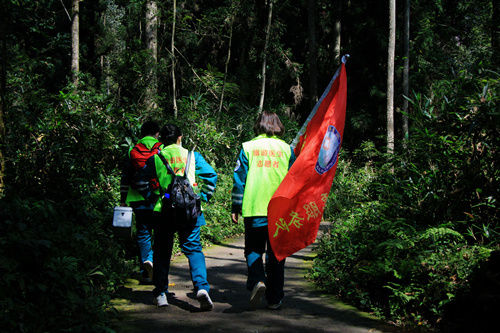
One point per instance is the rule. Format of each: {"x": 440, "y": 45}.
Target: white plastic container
{"x": 122, "y": 217}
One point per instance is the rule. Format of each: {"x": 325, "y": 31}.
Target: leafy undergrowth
{"x": 414, "y": 231}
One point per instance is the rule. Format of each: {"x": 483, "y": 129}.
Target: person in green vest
{"x": 129, "y": 196}
{"x": 262, "y": 164}
{"x": 189, "y": 235}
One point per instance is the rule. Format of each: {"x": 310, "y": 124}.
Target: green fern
{"x": 440, "y": 233}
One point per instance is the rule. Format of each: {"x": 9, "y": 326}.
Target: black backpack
{"x": 180, "y": 204}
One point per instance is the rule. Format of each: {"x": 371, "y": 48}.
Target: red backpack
{"x": 140, "y": 154}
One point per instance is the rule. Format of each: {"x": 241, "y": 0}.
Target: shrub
{"x": 59, "y": 256}
{"x": 59, "y": 267}
{"x": 410, "y": 229}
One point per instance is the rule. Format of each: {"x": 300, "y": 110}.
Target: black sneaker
{"x": 275, "y": 306}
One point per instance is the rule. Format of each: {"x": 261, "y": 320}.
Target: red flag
{"x": 296, "y": 208}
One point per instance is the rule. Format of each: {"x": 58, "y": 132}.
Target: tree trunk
{"x": 227, "y": 62}
{"x": 406, "y": 68}
{"x": 495, "y": 32}
{"x": 264, "y": 57}
{"x": 338, "y": 30}
{"x": 104, "y": 59}
{"x": 172, "y": 54}
{"x": 3, "y": 85}
{"x": 390, "y": 76}
{"x": 152, "y": 46}
{"x": 75, "y": 41}
{"x": 313, "y": 52}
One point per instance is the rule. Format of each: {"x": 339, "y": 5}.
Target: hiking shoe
{"x": 148, "y": 270}
{"x": 275, "y": 306}
{"x": 204, "y": 299}
{"x": 258, "y": 292}
{"x": 161, "y": 300}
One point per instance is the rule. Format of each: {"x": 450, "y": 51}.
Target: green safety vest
{"x": 268, "y": 160}
{"x": 132, "y": 194}
{"x": 176, "y": 157}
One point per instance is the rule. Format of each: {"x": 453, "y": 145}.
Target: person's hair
{"x": 149, "y": 128}
{"x": 169, "y": 134}
{"x": 268, "y": 123}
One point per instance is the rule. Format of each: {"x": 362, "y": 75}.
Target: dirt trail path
{"x": 304, "y": 309}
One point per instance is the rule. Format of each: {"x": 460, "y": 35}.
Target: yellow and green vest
{"x": 176, "y": 157}
{"x": 268, "y": 161}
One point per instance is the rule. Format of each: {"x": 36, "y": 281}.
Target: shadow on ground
{"x": 304, "y": 309}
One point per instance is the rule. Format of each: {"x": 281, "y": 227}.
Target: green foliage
{"x": 409, "y": 233}
{"x": 218, "y": 211}
{"x": 59, "y": 266}
{"x": 58, "y": 249}
{"x": 424, "y": 217}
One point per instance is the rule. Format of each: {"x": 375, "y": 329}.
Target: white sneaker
{"x": 148, "y": 268}
{"x": 258, "y": 292}
{"x": 204, "y": 299}
{"x": 161, "y": 300}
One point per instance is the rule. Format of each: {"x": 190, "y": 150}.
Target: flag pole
{"x": 313, "y": 112}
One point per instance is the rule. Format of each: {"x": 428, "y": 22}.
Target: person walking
{"x": 189, "y": 235}
{"x": 262, "y": 164}
{"x": 147, "y": 146}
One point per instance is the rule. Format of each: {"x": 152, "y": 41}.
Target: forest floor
{"x": 304, "y": 309}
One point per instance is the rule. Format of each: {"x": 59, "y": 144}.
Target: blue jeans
{"x": 190, "y": 244}
{"x": 256, "y": 243}
{"x": 144, "y": 221}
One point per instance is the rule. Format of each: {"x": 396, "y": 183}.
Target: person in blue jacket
{"x": 262, "y": 164}
{"x": 189, "y": 235}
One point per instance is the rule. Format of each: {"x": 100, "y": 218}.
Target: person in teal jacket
{"x": 143, "y": 210}
{"x": 262, "y": 164}
{"x": 189, "y": 235}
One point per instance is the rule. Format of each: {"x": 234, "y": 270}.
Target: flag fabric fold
{"x": 296, "y": 208}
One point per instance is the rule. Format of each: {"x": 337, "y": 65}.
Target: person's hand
{"x": 234, "y": 217}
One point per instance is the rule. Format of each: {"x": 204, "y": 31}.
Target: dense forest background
{"x": 415, "y": 235}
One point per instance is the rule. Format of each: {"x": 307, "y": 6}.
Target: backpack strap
{"x": 187, "y": 164}
{"x": 136, "y": 147}
{"x": 169, "y": 168}
{"x": 155, "y": 146}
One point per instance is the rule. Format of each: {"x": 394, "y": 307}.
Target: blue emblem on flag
{"x": 329, "y": 150}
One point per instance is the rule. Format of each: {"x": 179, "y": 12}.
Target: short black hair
{"x": 169, "y": 134}
{"x": 149, "y": 128}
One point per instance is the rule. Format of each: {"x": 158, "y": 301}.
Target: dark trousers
{"x": 256, "y": 243}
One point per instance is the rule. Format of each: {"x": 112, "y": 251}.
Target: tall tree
{"x": 338, "y": 30}
{"x": 3, "y": 86}
{"x": 495, "y": 32}
{"x": 228, "y": 57}
{"x": 75, "y": 41}
{"x": 390, "y": 76}
{"x": 172, "y": 54}
{"x": 152, "y": 46}
{"x": 264, "y": 55}
{"x": 406, "y": 68}
{"x": 313, "y": 51}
